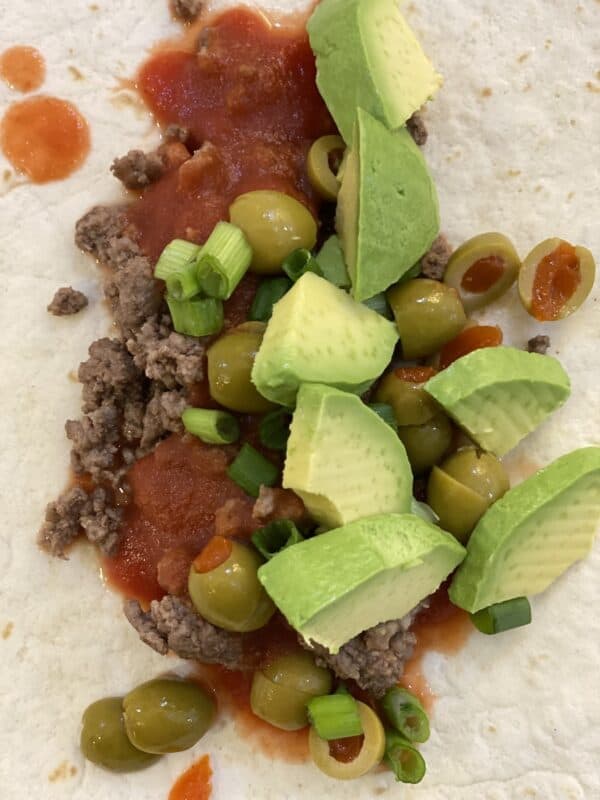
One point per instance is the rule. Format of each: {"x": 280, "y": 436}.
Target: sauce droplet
{"x": 483, "y": 274}
{"x": 556, "y": 279}
{"x": 195, "y": 783}
{"x": 45, "y": 138}
{"x": 23, "y": 68}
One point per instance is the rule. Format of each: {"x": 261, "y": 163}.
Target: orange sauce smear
{"x": 556, "y": 280}
{"x": 483, "y": 274}
{"x": 195, "y": 783}
{"x": 23, "y": 68}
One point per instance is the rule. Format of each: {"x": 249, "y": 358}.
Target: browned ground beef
{"x": 103, "y": 233}
{"x": 162, "y": 414}
{"x": 108, "y": 375}
{"x": 417, "y": 129}
{"x": 188, "y": 10}
{"x": 275, "y": 504}
{"x": 134, "y": 294}
{"x": 137, "y": 169}
{"x": 67, "y": 301}
{"x": 539, "y": 344}
{"x": 434, "y": 263}
{"x": 172, "y": 625}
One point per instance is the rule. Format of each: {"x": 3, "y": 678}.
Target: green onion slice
{"x": 379, "y": 304}
{"x": 405, "y": 761}
{"x": 212, "y": 427}
{"x": 251, "y": 470}
{"x": 274, "y": 430}
{"x": 200, "y": 317}
{"x": 386, "y": 413}
{"x": 335, "y": 716}
{"x": 406, "y": 714}
{"x": 502, "y": 617}
{"x": 182, "y": 283}
{"x": 223, "y": 261}
{"x": 269, "y": 293}
{"x": 275, "y": 537}
{"x": 174, "y": 257}
{"x": 299, "y": 262}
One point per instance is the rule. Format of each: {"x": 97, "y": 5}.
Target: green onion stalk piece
{"x": 386, "y": 413}
{"x": 174, "y": 257}
{"x": 406, "y": 714}
{"x": 335, "y": 716}
{"x": 405, "y": 761}
{"x": 182, "y": 283}
{"x": 212, "y": 427}
{"x": 199, "y": 317}
{"x": 223, "y": 261}
{"x": 503, "y": 616}
{"x": 299, "y": 262}
{"x": 269, "y": 293}
{"x": 274, "y": 430}
{"x": 251, "y": 470}
{"x": 275, "y": 537}
{"x": 379, "y": 304}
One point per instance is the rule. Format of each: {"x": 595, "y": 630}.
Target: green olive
{"x": 275, "y": 225}
{"x": 426, "y": 444}
{"x": 410, "y": 402}
{"x": 282, "y": 688}
{"x": 570, "y": 275}
{"x": 322, "y": 177}
{"x": 481, "y": 472}
{"x": 230, "y": 362}
{"x": 428, "y": 314}
{"x": 230, "y": 595}
{"x": 104, "y": 740}
{"x": 167, "y": 715}
{"x": 483, "y": 269}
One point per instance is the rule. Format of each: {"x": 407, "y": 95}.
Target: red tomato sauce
{"x": 250, "y": 92}
{"x": 195, "y": 783}
{"x": 23, "y": 68}
{"x": 474, "y": 338}
{"x": 556, "y": 280}
{"x": 483, "y": 274}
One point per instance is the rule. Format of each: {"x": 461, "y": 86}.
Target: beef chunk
{"x": 172, "y": 571}
{"x": 188, "y": 10}
{"x": 109, "y": 374}
{"x": 234, "y": 518}
{"x": 539, "y": 344}
{"x": 104, "y": 233}
{"x": 62, "y": 521}
{"x": 137, "y": 169}
{"x": 417, "y": 129}
{"x": 95, "y": 440}
{"x": 275, "y": 504}
{"x": 434, "y": 263}
{"x": 67, "y": 301}
{"x": 166, "y": 357}
{"x": 374, "y": 659}
{"x": 134, "y": 294}
{"x": 162, "y": 415}
{"x": 172, "y": 625}
{"x": 101, "y": 523}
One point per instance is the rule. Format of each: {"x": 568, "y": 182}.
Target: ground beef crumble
{"x": 434, "y": 263}
{"x": 188, "y": 10}
{"x": 417, "y": 129}
{"x": 137, "y": 169}
{"x": 539, "y": 344}
{"x": 67, "y": 301}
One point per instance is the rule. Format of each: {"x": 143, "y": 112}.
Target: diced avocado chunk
{"x": 331, "y": 260}
{"x": 319, "y": 334}
{"x": 533, "y": 534}
{"x": 368, "y": 57}
{"x": 498, "y": 395}
{"x": 388, "y": 213}
{"x": 343, "y": 460}
{"x": 336, "y": 585}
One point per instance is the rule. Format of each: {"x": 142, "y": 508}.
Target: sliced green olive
{"x": 320, "y": 174}
{"x": 481, "y": 472}
{"x": 275, "y": 225}
{"x": 426, "y": 444}
{"x": 458, "y": 507}
{"x": 167, "y": 715}
{"x": 230, "y": 595}
{"x": 369, "y": 756}
{"x": 409, "y": 400}
{"x": 428, "y": 314}
{"x": 483, "y": 269}
{"x": 230, "y": 362}
{"x": 555, "y": 280}
{"x": 104, "y": 740}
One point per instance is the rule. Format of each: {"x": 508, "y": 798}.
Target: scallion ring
{"x": 251, "y": 470}
{"x": 223, "y": 261}
{"x": 212, "y": 427}
{"x": 275, "y": 537}
{"x": 199, "y": 317}
{"x": 405, "y": 761}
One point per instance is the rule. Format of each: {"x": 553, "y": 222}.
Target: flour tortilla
{"x": 515, "y": 147}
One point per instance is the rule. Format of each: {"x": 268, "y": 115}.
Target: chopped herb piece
{"x": 503, "y": 616}
{"x": 223, "y": 261}
{"x": 200, "y": 317}
{"x": 275, "y": 537}
{"x": 335, "y": 716}
{"x": 212, "y": 427}
{"x": 299, "y": 262}
{"x": 274, "y": 430}
{"x": 405, "y": 712}
{"x": 174, "y": 257}
{"x": 269, "y": 293}
{"x": 182, "y": 283}
{"x": 405, "y": 761}
{"x": 251, "y": 470}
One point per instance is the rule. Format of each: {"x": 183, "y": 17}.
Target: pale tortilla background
{"x": 517, "y": 716}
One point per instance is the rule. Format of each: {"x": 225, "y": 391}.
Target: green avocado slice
{"x": 498, "y": 395}
{"x": 533, "y": 534}
{"x": 336, "y": 585}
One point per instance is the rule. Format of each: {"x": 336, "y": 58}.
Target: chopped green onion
{"x": 407, "y": 764}
{"x": 275, "y": 537}
{"x": 223, "y": 261}
{"x": 251, "y": 470}
{"x": 200, "y": 317}
{"x": 335, "y": 716}
{"x": 405, "y": 712}
{"x": 299, "y": 262}
{"x": 269, "y": 293}
{"x": 213, "y": 427}
{"x": 331, "y": 260}
{"x": 182, "y": 283}
{"x": 274, "y": 430}
{"x": 424, "y": 511}
{"x": 386, "y": 413}
{"x": 176, "y": 255}
{"x": 504, "y": 616}
{"x": 379, "y": 304}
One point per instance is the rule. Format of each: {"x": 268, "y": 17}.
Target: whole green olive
{"x": 479, "y": 471}
{"x": 230, "y": 595}
{"x": 275, "y": 225}
{"x": 409, "y": 400}
{"x": 426, "y": 444}
{"x": 104, "y": 740}
{"x": 230, "y": 362}
{"x": 298, "y": 671}
{"x": 167, "y": 715}
{"x": 428, "y": 314}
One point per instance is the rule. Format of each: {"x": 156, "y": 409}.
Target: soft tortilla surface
{"x": 514, "y": 146}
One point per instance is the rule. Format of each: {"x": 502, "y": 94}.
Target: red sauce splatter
{"x": 415, "y": 374}
{"x": 45, "y": 138}
{"x": 250, "y": 92}
{"x": 556, "y": 280}
{"x": 346, "y": 750}
{"x": 195, "y": 783}
{"x": 23, "y": 68}
{"x": 473, "y": 338}
{"x": 483, "y": 274}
